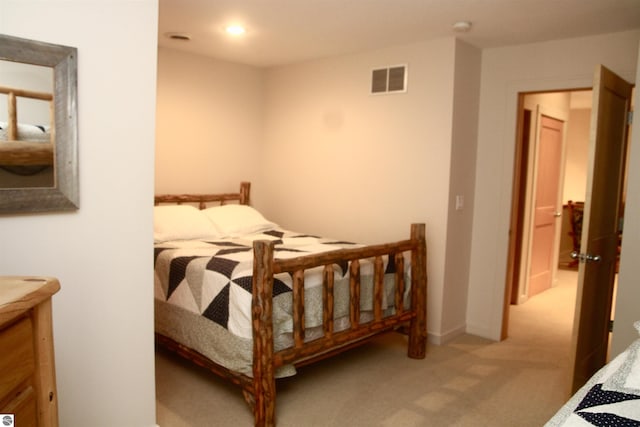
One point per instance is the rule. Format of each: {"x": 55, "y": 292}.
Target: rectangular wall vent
{"x": 391, "y": 79}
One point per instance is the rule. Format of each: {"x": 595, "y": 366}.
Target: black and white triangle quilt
{"x": 610, "y": 398}
{"x": 214, "y": 278}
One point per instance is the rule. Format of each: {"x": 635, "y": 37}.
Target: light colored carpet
{"x": 470, "y": 381}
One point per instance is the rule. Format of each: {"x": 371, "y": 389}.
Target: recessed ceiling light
{"x": 235, "y": 30}
{"x": 178, "y": 36}
{"x": 462, "y": 26}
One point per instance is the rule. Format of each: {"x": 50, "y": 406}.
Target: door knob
{"x": 585, "y": 257}
{"x": 557, "y": 214}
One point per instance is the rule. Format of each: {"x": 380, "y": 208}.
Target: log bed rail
{"x": 202, "y": 200}
{"x": 260, "y": 391}
{"x": 18, "y": 152}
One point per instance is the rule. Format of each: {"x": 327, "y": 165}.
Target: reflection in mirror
{"x": 26, "y": 124}
{"x": 38, "y": 126}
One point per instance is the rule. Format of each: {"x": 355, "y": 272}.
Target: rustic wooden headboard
{"x": 202, "y": 200}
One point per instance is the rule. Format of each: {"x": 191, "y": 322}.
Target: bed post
{"x": 418, "y": 326}
{"x": 264, "y": 385}
{"x": 244, "y": 192}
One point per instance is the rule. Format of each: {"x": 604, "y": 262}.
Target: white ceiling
{"x": 287, "y": 31}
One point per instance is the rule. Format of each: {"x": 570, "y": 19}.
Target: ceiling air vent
{"x": 389, "y": 79}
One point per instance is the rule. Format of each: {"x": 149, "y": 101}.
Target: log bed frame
{"x": 260, "y": 391}
{"x": 23, "y": 153}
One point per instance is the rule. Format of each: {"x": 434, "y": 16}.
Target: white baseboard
{"x": 440, "y": 339}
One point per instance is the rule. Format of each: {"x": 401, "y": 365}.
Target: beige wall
{"x": 575, "y": 182}
{"x": 341, "y": 162}
{"x": 357, "y": 159}
{"x": 209, "y": 124}
{"x": 462, "y": 181}
{"x": 103, "y": 315}
{"x": 553, "y": 65}
{"x": 628, "y": 289}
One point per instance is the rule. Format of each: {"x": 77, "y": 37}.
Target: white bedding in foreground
{"x": 610, "y": 398}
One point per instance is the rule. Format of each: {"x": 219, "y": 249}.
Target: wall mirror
{"x": 38, "y": 126}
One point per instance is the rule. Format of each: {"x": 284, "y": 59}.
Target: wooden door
{"x": 600, "y": 231}
{"x": 545, "y": 205}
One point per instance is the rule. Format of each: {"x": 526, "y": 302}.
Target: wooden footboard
{"x": 262, "y": 393}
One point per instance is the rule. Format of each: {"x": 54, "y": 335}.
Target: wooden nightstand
{"x": 27, "y": 370}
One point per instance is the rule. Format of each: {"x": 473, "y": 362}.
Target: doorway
{"x": 574, "y": 177}
{"x": 552, "y": 142}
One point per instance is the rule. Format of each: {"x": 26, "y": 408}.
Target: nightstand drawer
{"x": 17, "y": 357}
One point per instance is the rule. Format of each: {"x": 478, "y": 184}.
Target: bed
{"x": 611, "y": 397}
{"x": 26, "y": 150}
{"x": 251, "y": 301}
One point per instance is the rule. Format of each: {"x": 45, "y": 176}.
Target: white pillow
{"x": 238, "y": 220}
{"x": 26, "y": 132}
{"x": 181, "y": 222}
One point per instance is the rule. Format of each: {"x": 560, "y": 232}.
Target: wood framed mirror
{"x": 38, "y": 126}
